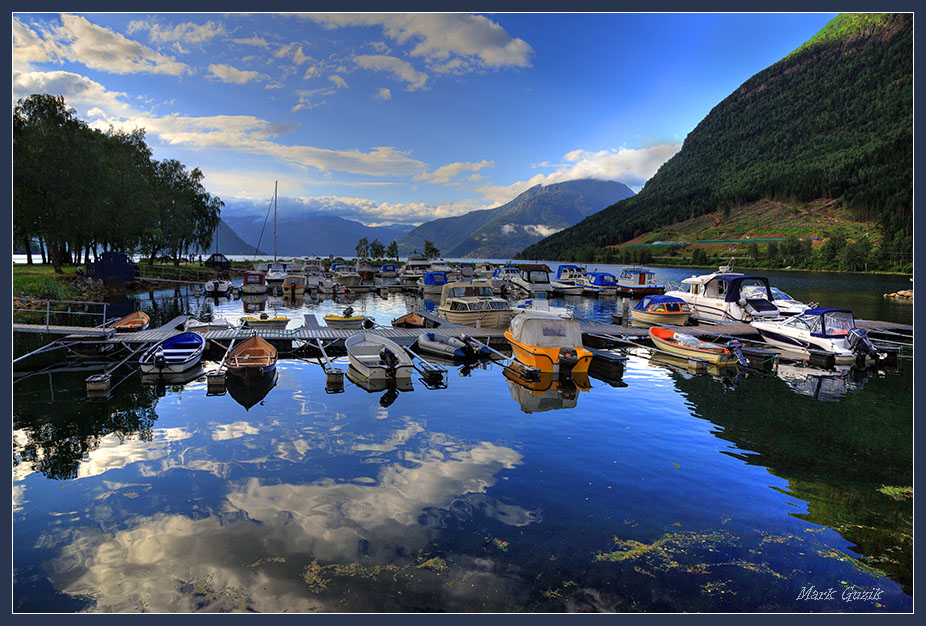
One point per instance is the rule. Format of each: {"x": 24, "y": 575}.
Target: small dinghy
{"x": 173, "y": 355}
{"x": 205, "y": 323}
{"x": 659, "y": 310}
{"x": 376, "y": 357}
{"x": 460, "y": 347}
{"x": 265, "y": 321}
{"x": 347, "y": 320}
{"x": 409, "y": 320}
{"x": 133, "y": 322}
{"x": 252, "y": 359}
{"x": 691, "y": 347}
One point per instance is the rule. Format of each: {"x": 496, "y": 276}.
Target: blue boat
{"x": 599, "y": 284}
{"x": 432, "y": 282}
{"x": 173, "y": 355}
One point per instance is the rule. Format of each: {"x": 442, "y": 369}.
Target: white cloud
{"x": 313, "y": 71}
{"x": 540, "y": 229}
{"x": 29, "y": 47}
{"x": 187, "y": 32}
{"x": 79, "y": 92}
{"x": 299, "y": 58}
{"x": 81, "y": 41}
{"x": 229, "y": 74}
{"x": 260, "y": 42}
{"x": 339, "y": 82}
{"x": 631, "y": 167}
{"x": 252, "y": 135}
{"x": 445, "y": 173}
{"x": 402, "y": 70}
{"x": 450, "y": 41}
{"x": 382, "y": 94}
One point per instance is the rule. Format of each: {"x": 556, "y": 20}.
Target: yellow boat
{"x": 660, "y": 310}
{"x": 347, "y": 320}
{"x": 265, "y": 321}
{"x": 548, "y": 342}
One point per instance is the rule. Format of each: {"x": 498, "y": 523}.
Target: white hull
{"x": 363, "y": 352}
{"x": 254, "y": 289}
{"x": 498, "y": 318}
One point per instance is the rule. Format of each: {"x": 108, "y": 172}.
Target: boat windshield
{"x": 837, "y": 323}
{"x": 536, "y": 276}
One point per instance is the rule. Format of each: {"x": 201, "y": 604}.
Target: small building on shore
{"x": 218, "y": 262}
{"x": 113, "y": 265}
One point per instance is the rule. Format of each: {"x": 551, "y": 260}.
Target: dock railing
{"x": 52, "y": 312}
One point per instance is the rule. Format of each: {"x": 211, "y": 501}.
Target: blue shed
{"x": 116, "y": 265}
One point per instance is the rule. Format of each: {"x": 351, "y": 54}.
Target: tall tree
{"x": 392, "y": 251}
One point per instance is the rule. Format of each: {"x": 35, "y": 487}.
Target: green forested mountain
{"x": 533, "y": 214}
{"x": 834, "y": 119}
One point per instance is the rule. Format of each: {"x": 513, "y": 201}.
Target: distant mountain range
{"x": 308, "y": 235}
{"x": 226, "y": 241}
{"x": 503, "y": 231}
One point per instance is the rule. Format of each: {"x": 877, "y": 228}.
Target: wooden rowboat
{"x": 691, "y": 347}
{"x": 132, "y": 322}
{"x": 252, "y": 359}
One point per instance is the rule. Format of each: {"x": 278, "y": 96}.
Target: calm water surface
{"x": 662, "y": 491}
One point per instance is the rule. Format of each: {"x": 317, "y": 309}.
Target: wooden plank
{"x": 55, "y": 329}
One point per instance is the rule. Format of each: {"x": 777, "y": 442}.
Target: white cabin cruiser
{"x": 824, "y": 329}
{"x": 719, "y": 298}
{"x": 785, "y": 303}
{"x": 414, "y": 268}
{"x": 533, "y": 279}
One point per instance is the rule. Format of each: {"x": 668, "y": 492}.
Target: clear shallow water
{"x": 665, "y": 492}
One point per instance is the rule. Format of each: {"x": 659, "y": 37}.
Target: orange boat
{"x": 252, "y": 359}
{"x": 692, "y": 347}
{"x": 548, "y": 342}
{"x": 132, "y": 322}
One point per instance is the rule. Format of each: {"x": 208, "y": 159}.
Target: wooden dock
{"x": 311, "y": 333}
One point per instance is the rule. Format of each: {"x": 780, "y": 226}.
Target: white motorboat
{"x": 533, "y": 278}
{"x": 378, "y": 358}
{"x": 254, "y": 282}
{"x": 828, "y": 330}
{"x": 217, "y": 287}
{"x": 785, "y": 303}
{"x": 473, "y": 304}
{"x": 207, "y": 322}
{"x": 718, "y": 298}
{"x": 502, "y": 277}
{"x": 414, "y": 268}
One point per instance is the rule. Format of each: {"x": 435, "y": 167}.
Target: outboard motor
{"x": 568, "y": 358}
{"x": 160, "y": 361}
{"x": 348, "y": 311}
{"x": 469, "y": 349}
{"x": 736, "y": 347}
{"x": 860, "y": 343}
{"x": 390, "y": 360}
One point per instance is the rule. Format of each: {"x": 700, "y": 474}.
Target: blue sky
{"x": 388, "y": 118}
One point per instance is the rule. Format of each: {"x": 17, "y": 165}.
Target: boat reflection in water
{"x": 173, "y": 380}
{"x": 827, "y": 385}
{"x": 392, "y": 387}
{"x": 729, "y": 375}
{"x": 253, "y": 303}
{"x": 249, "y": 391}
{"x": 548, "y": 393}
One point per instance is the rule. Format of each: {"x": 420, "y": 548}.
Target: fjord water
{"x": 663, "y": 491}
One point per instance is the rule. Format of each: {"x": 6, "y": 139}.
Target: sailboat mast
{"x": 274, "y": 221}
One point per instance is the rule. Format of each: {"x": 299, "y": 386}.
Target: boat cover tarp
{"x": 646, "y": 301}
{"x": 546, "y": 331}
